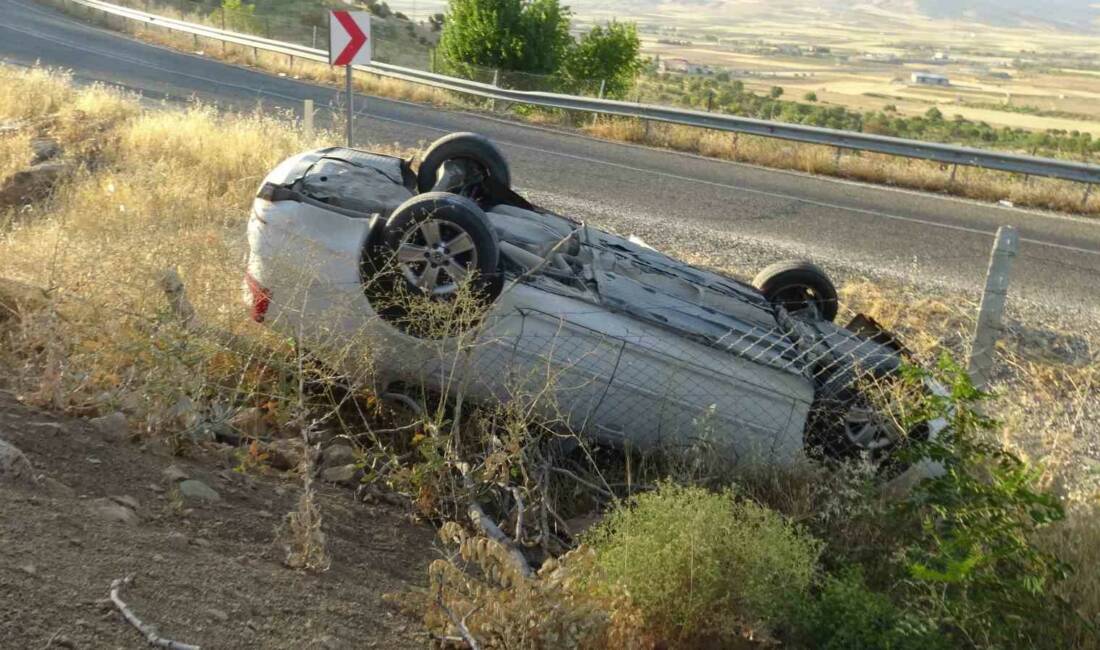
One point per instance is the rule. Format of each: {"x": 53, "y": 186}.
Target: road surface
{"x": 844, "y": 225}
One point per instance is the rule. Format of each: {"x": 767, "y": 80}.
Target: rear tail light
{"x": 261, "y": 298}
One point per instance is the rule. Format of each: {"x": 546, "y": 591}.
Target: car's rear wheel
{"x": 800, "y": 287}
{"x": 467, "y": 164}
{"x": 433, "y": 246}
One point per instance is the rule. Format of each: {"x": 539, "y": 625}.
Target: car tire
{"x": 428, "y": 246}
{"x": 798, "y": 286}
{"x": 467, "y": 147}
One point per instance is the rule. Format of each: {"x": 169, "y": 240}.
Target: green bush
{"x": 846, "y": 615}
{"x": 970, "y": 551}
{"x": 700, "y": 564}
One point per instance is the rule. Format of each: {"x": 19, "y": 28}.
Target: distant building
{"x": 880, "y": 57}
{"x": 929, "y": 79}
{"x": 683, "y": 66}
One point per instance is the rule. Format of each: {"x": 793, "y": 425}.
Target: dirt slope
{"x": 205, "y": 573}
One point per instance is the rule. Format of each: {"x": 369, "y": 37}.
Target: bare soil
{"x": 210, "y": 575}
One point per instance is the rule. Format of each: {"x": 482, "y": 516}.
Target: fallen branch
{"x": 148, "y": 631}
{"x": 459, "y": 623}
{"x": 489, "y": 528}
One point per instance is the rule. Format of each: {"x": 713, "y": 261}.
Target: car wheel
{"x": 852, "y": 426}
{"x": 430, "y": 246}
{"x": 800, "y": 287}
{"x": 467, "y": 164}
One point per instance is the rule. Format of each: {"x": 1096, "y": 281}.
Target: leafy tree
{"x": 521, "y": 35}
{"x": 436, "y": 21}
{"x": 810, "y": 96}
{"x": 776, "y": 92}
{"x": 239, "y": 16}
{"x": 934, "y": 114}
{"x": 605, "y": 53}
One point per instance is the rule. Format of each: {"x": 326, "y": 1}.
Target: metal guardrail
{"x": 942, "y": 153}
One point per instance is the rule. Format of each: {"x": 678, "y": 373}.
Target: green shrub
{"x": 700, "y": 564}
{"x": 846, "y": 615}
{"x": 969, "y": 555}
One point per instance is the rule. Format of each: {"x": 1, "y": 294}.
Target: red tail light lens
{"x": 261, "y": 298}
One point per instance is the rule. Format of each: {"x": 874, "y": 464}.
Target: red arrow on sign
{"x": 358, "y": 38}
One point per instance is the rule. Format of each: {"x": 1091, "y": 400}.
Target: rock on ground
{"x": 32, "y": 184}
{"x": 112, "y": 511}
{"x": 111, "y": 426}
{"x": 14, "y": 466}
{"x": 194, "y": 490}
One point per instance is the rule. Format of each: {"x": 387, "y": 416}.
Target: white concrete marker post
{"x": 991, "y": 312}
{"x": 349, "y": 44}
{"x": 307, "y": 119}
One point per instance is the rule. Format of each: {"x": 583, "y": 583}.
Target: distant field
{"x": 1043, "y": 86}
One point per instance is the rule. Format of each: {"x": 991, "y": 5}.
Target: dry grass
{"x": 970, "y": 182}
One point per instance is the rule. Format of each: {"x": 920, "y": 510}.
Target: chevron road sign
{"x": 348, "y": 45}
{"x": 349, "y": 38}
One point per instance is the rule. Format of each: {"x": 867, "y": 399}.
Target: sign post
{"x": 349, "y": 44}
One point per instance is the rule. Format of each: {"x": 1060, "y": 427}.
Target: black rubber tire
{"x": 382, "y": 278}
{"x": 470, "y": 146}
{"x": 794, "y": 283}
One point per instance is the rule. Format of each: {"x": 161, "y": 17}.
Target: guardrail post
{"x": 256, "y": 56}
{"x": 307, "y": 119}
{"x": 991, "y": 312}
{"x": 195, "y": 40}
{"x": 836, "y": 158}
{"x": 1085, "y": 198}
{"x": 496, "y": 84}
{"x": 315, "y": 37}
{"x": 954, "y": 170}
{"x": 599, "y": 95}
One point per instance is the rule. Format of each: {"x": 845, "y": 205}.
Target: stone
{"x": 173, "y": 474}
{"x": 29, "y": 569}
{"x": 342, "y": 475}
{"x": 217, "y": 615}
{"x": 14, "y": 466}
{"x": 176, "y": 539}
{"x": 126, "y": 500}
{"x": 108, "y": 510}
{"x": 112, "y": 427}
{"x": 44, "y": 149}
{"x": 284, "y": 454}
{"x": 338, "y": 454}
{"x": 56, "y": 488}
{"x": 194, "y": 490}
{"x": 32, "y": 184}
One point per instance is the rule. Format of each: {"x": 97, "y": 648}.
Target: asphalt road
{"x": 921, "y": 237}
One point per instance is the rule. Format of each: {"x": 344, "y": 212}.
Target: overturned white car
{"x": 628, "y": 346}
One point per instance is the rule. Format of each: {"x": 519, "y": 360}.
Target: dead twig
{"x": 459, "y": 623}
{"x": 148, "y": 631}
